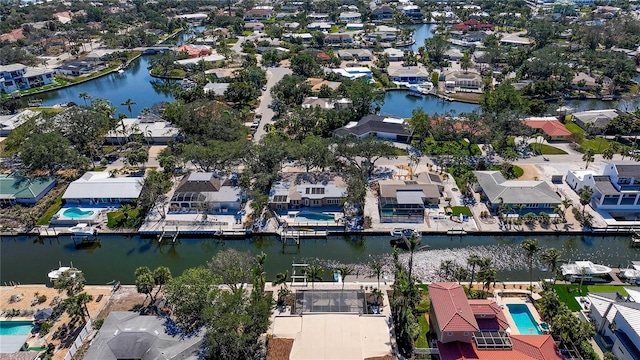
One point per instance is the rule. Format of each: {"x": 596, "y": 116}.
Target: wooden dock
{"x": 44, "y": 231}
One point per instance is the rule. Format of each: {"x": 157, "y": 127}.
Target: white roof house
{"x": 97, "y": 186}
{"x": 152, "y": 128}
{"x": 8, "y": 123}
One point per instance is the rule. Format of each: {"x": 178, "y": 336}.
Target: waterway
{"x": 134, "y": 83}
{"x": 28, "y": 260}
{"x": 421, "y": 33}
{"x": 398, "y": 103}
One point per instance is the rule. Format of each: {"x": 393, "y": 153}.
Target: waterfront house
{"x": 129, "y": 335}
{"x": 471, "y": 25}
{"x": 394, "y": 54}
{"x": 358, "y": 54}
{"x": 412, "y": 11}
{"x": 389, "y": 128}
{"x": 151, "y": 128}
{"x": 514, "y": 40}
{"x": 616, "y": 185}
{"x": 595, "y": 121}
{"x": 409, "y": 74}
{"x": 464, "y": 81}
{"x": 353, "y": 73}
{"x": 17, "y": 77}
{"x": 554, "y": 129}
{"x": 382, "y": 37}
{"x": 617, "y": 322}
{"x": 98, "y": 187}
{"x": 8, "y": 123}
{"x": 478, "y": 329}
{"x": 191, "y": 62}
{"x": 79, "y": 67}
{"x": 256, "y": 14}
{"x": 516, "y": 196}
{"x": 207, "y": 192}
{"x": 194, "y": 51}
{"x": 584, "y": 81}
{"x": 18, "y": 189}
{"x": 307, "y": 190}
{"x": 405, "y": 200}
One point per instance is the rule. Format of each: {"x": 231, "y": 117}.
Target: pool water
{"x": 312, "y": 217}
{"x": 15, "y": 327}
{"x": 76, "y": 213}
{"x": 525, "y": 322}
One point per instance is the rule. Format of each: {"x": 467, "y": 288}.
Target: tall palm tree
{"x": 551, "y": 258}
{"x": 82, "y": 300}
{"x": 531, "y": 247}
{"x": 344, "y": 272}
{"x": 313, "y": 273}
{"x": 487, "y": 276}
{"x": 585, "y": 197}
{"x": 446, "y": 266}
{"x": 128, "y": 104}
{"x": 588, "y": 157}
{"x": 411, "y": 243}
{"x": 161, "y": 276}
{"x": 376, "y": 267}
{"x": 566, "y": 204}
{"x": 472, "y": 261}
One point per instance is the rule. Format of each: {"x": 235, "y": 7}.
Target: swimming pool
{"x": 77, "y": 213}
{"x": 307, "y": 216}
{"x": 525, "y": 322}
{"x": 15, "y": 327}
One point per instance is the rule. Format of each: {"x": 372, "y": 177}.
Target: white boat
{"x": 120, "y": 71}
{"x": 632, "y": 273}
{"x": 55, "y": 274}
{"x": 83, "y": 229}
{"x": 402, "y": 232}
{"x": 584, "y": 268}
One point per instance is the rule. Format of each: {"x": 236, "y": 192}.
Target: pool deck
{"x": 503, "y": 301}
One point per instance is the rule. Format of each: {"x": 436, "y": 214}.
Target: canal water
{"x": 422, "y": 32}
{"x": 134, "y": 83}
{"x": 28, "y": 260}
{"x": 399, "y": 103}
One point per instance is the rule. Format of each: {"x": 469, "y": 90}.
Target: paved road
{"x": 274, "y": 74}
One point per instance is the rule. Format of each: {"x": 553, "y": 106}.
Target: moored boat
{"x": 83, "y": 230}
{"x": 55, "y": 274}
{"x": 586, "y": 269}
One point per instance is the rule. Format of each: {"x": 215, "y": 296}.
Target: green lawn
{"x": 568, "y": 293}
{"x": 114, "y": 218}
{"x": 517, "y": 171}
{"x": 575, "y": 129}
{"x": 401, "y": 152}
{"x": 52, "y": 210}
{"x": 457, "y": 210}
{"x": 424, "y": 329}
{"x": 545, "y": 149}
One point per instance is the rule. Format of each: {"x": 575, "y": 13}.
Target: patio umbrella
{"x": 43, "y": 314}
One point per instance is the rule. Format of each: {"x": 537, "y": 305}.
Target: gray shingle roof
{"x": 129, "y": 335}
{"x": 604, "y": 185}
{"x": 495, "y": 186}
{"x": 373, "y": 123}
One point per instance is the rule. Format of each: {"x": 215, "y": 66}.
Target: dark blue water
{"x": 28, "y": 260}
{"x": 134, "y": 84}
{"x": 398, "y": 103}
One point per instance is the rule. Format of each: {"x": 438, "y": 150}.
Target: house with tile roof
{"x": 551, "y": 126}
{"x": 478, "y": 329}
{"x": 616, "y": 185}
{"x": 536, "y": 195}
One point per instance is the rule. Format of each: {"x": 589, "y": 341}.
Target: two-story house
{"x": 616, "y": 185}
{"x": 207, "y": 192}
{"x": 16, "y": 77}
{"x": 617, "y": 321}
{"x": 309, "y": 192}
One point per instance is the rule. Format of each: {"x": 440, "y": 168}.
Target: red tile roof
{"x": 525, "y": 347}
{"x": 13, "y": 35}
{"x": 451, "y": 307}
{"x": 550, "y": 127}
{"x": 494, "y": 318}
{"x": 460, "y": 27}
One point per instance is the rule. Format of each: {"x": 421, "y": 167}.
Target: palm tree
{"x": 585, "y": 197}
{"x": 472, "y": 261}
{"x": 313, "y": 273}
{"x": 446, "y": 266}
{"x": 411, "y": 243}
{"x": 344, "y": 272}
{"x": 488, "y": 276}
{"x": 84, "y": 96}
{"x": 128, "y": 104}
{"x": 281, "y": 279}
{"x": 588, "y": 157}
{"x": 460, "y": 273}
{"x": 566, "y": 204}
{"x": 82, "y": 300}
{"x": 161, "y": 276}
{"x": 531, "y": 247}
{"x": 376, "y": 267}
{"x": 551, "y": 258}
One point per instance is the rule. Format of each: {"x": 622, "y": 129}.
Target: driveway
{"x": 274, "y": 75}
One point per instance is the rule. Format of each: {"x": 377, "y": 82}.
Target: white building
{"x": 353, "y": 73}
{"x": 617, "y": 320}
{"x": 616, "y": 185}
{"x": 153, "y": 129}
{"x": 350, "y": 17}
{"x": 98, "y": 187}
